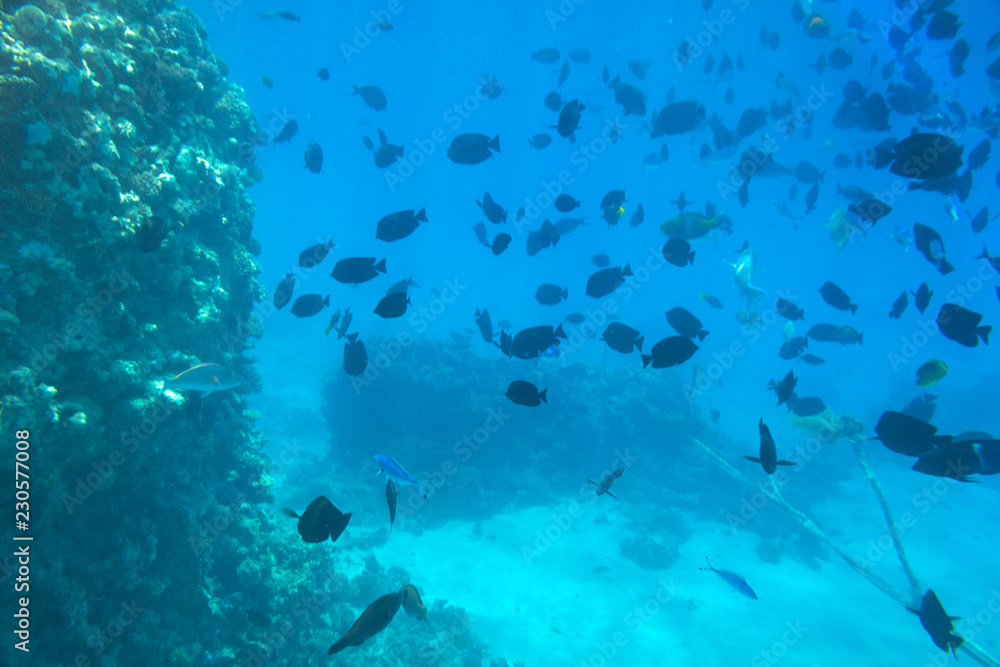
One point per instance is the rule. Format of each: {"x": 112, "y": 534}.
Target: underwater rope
{"x": 974, "y": 650}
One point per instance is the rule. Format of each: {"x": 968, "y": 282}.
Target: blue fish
{"x": 395, "y": 472}
{"x": 735, "y": 580}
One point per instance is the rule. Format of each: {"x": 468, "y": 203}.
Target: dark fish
{"x": 372, "y": 96}
{"x": 670, "y": 351}
{"x": 480, "y": 229}
{"x": 730, "y": 96}
{"x": 308, "y": 305}
{"x": 788, "y": 310}
{"x": 287, "y": 132}
{"x": 956, "y": 57}
{"x": 605, "y": 74}
{"x": 372, "y": 621}
{"x": 842, "y": 161}
{"x": 386, "y": 153}
{"x": 554, "y": 101}
{"x": 899, "y": 306}
{"x": 288, "y": 16}
{"x": 258, "y": 618}
{"x": 638, "y": 68}
{"x": 580, "y": 56}
{"x": 808, "y": 173}
{"x": 809, "y": 406}
{"x": 266, "y": 80}
{"x": 283, "y": 292}
{"x": 993, "y": 261}
{"x": 922, "y": 407}
{"x": 323, "y": 73}
{"x": 944, "y": 25}
{"x": 601, "y": 260}
{"x": 930, "y": 244}
{"x": 473, "y": 148}
{"x": 500, "y": 243}
{"x": 678, "y": 118}
{"x": 524, "y": 393}
{"x": 870, "y": 210}
{"x": 566, "y": 203}
{"x": 605, "y": 484}
{"x": 792, "y": 348}
{"x": 735, "y": 580}
{"x": 638, "y": 217}
{"x": 314, "y": 157}
{"x": 550, "y": 295}
{"x": 321, "y": 521}
{"x": 390, "y": 499}
{"x": 785, "y": 388}
{"x": 564, "y": 72}
{"x": 685, "y": 323}
{"x": 681, "y": 202}
{"x": 392, "y": 305}
{"x": 151, "y": 233}
{"x": 912, "y": 157}
{"x": 812, "y": 360}
{"x": 743, "y": 195}
{"x": 907, "y": 435}
{"x": 493, "y": 211}
{"x": 546, "y": 236}
{"x": 530, "y": 343}
{"x": 355, "y": 270}
{"x": 678, "y": 252}
{"x": 613, "y": 199}
{"x": 399, "y": 225}
{"x": 622, "y": 338}
{"x": 631, "y": 98}
{"x": 401, "y": 286}
{"x": 768, "y": 458}
{"x": 962, "y": 459}
{"x": 606, "y": 281}
{"x": 575, "y": 318}
{"x": 962, "y": 325}
{"x": 938, "y": 623}
{"x": 839, "y": 58}
{"x": 837, "y": 297}
{"x": 750, "y": 121}
{"x": 540, "y": 141}
{"x": 355, "y": 355}
{"x": 922, "y": 297}
{"x": 547, "y": 55}
{"x": 980, "y": 155}
{"x": 569, "y": 119}
{"x": 485, "y": 324}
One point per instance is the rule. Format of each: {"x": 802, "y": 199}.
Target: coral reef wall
{"x": 126, "y": 257}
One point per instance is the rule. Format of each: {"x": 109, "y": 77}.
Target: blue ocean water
{"x": 431, "y": 65}
{"x": 517, "y": 559}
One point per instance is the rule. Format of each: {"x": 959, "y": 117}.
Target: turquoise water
{"x": 516, "y": 557}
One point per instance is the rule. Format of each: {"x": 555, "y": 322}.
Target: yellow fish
{"x": 412, "y": 603}
{"x": 931, "y": 372}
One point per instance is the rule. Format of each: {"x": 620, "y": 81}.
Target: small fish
{"x": 605, "y": 484}
{"x": 412, "y": 604}
{"x": 266, "y": 80}
{"x": 372, "y": 621}
{"x": 768, "y": 458}
{"x": 204, "y": 378}
{"x": 785, "y": 388}
{"x": 932, "y": 371}
{"x": 288, "y": 16}
{"x": 938, "y": 623}
{"x": 321, "y": 521}
{"x": 812, "y": 360}
{"x": 395, "y": 472}
{"x": 390, "y": 499}
{"x": 656, "y": 160}
{"x": 333, "y": 323}
{"x": 712, "y": 301}
{"x": 899, "y": 306}
{"x": 525, "y": 393}
{"x": 735, "y": 580}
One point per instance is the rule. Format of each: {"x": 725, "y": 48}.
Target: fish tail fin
{"x": 421, "y": 215}
{"x": 559, "y": 333}
{"x": 356, "y": 91}
{"x": 701, "y": 335}
{"x": 290, "y": 513}
{"x": 541, "y": 395}
{"x": 691, "y": 261}
{"x": 854, "y": 308}
{"x": 752, "y": 458}
{"x": 326, "y": 301}
{"x": 608, "y": 493}
{"x": 782, "y": 462}
{"x": 627, "y": 271}
{"x": 883, "y": 157}
{"x": 638, "y": 343}
{"x": 495, "y": 143}
{"x": 861, "y": 339}
{"x": 381, "y": 266}
{"x": 565, "y": 293}
{"x": 352, "y": 337}
{"x": 615, "y": 82}
{"x": 986, "y": 253}
{"x": 945, "y": 268}
{"x": 984, "y": 333}
{"x": 646, "y": 359}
